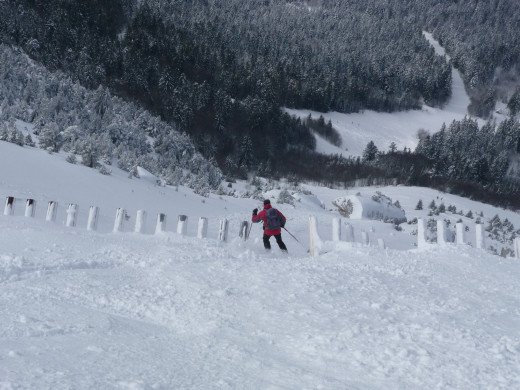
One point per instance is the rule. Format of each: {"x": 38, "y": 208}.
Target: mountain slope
{"x": 103, "y": 310}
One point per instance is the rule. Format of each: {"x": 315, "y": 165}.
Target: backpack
{"x": 274, "y": 220}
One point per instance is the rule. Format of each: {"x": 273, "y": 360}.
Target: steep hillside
{"x": 95, "y": 309}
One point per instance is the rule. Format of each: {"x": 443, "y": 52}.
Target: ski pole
{"x": 292, "y": 235}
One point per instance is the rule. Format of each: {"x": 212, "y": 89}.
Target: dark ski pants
{"x": 267, "y": 244}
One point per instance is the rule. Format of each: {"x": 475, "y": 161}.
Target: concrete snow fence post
{"x": 140, "y": 221}
{"x": 160, "y": 225}
{"x": 202, "y": 228}
{"x": 349, "y": 230}
{"x": 336, "y": 229}
{"x": 381, "y": 243}
{"x": 421, "y": 233}
{"x": 460, "y": 233}
{"x": 441, "y": 232}
{"x": 479, "y": 232}
{"x": 119, "y": 222}
{"x": 365, "y": 239}
{"x": 72, "y": 215}
{"x": 9, "y": 205}
{"x": 182, "y": 225}
{"x": 223, "y": 230}
{"x": 93, "y": 216}
{"x": 52, "y": 209}
{"x": 244, "y": 227}
{"x": 30, "y": 208}
{"x": 315, "y": 241}
{"x": 516, "y": 244}
{"x": 311, "y": 237}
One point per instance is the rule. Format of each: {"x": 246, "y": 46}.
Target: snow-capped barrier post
{"x": 479, "y": 231}
{"x": 315, "y": 240}
{"x": 202, "y": 229}
{"x": 140, "y": 221}
{"x": 349, "y": 230}
{"x": 223, "y": 230}
{"x": 244, "y": 226}
{"x": 182, "y": 225}
{"x": 9, "y": 205}
{"x": 516, "y": 243}
{"x": 120, "y": 220}
{"x": 421, "y": 233}
{"x": 381, "y": 243}
{"x": 72, "y": 214}
{"x": 365, "y": 239}
{"x": 311, "y": 238}
{"x": 441, "y": 232}
{"x": 460, "y": 233}
{"x": 93, "y": 216}
{"x": 52, "y": 209}
{"x": 160, "y": 226}
{"x": 30, "y": 207}
{"x": 336, "y": 229}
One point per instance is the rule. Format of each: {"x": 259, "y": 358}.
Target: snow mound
{"x": 148, "y": 176}
{"x": 377, "y": 207}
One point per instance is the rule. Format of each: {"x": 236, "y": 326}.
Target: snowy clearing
{"x": 358, "y": 129}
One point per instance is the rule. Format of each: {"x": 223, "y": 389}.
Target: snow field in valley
{"x": 357, "y": 129}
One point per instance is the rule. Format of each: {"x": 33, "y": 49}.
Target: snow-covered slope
{"x": 102, "y": 310}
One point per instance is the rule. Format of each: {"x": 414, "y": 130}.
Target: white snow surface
{"x": 358, "y": 129}
{"x": 99, "y": 310}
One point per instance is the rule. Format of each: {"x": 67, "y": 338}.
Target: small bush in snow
{"x": 104, "y": 170}
{"x": 345, "y": 209}
{"x": 71, "y": 158}
{"x": 29, "y": 141}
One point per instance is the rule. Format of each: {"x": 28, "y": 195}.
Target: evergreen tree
{"x": 370, "y": 153}
{"x": 50, "y": 137}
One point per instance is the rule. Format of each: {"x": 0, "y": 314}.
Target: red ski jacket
{"x": 261, "y": 217}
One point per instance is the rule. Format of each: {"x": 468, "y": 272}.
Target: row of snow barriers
{"x": 121, "y": 216}
{"x": 182, "y": 221}
{"x": 460, "y": 238}
{"x": 316, "y": 242}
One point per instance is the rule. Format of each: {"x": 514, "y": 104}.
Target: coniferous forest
{"x": 221, "y": 71}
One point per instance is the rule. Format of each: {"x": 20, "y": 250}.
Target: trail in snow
{"x": 459, "y": 100}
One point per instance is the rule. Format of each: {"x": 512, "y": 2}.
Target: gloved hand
{"x": 255, "y": 211}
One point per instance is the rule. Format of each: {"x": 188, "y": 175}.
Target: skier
{"x": 273, "y": 220}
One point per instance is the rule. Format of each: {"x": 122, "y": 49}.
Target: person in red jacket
{"x": 273, "y": 220}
